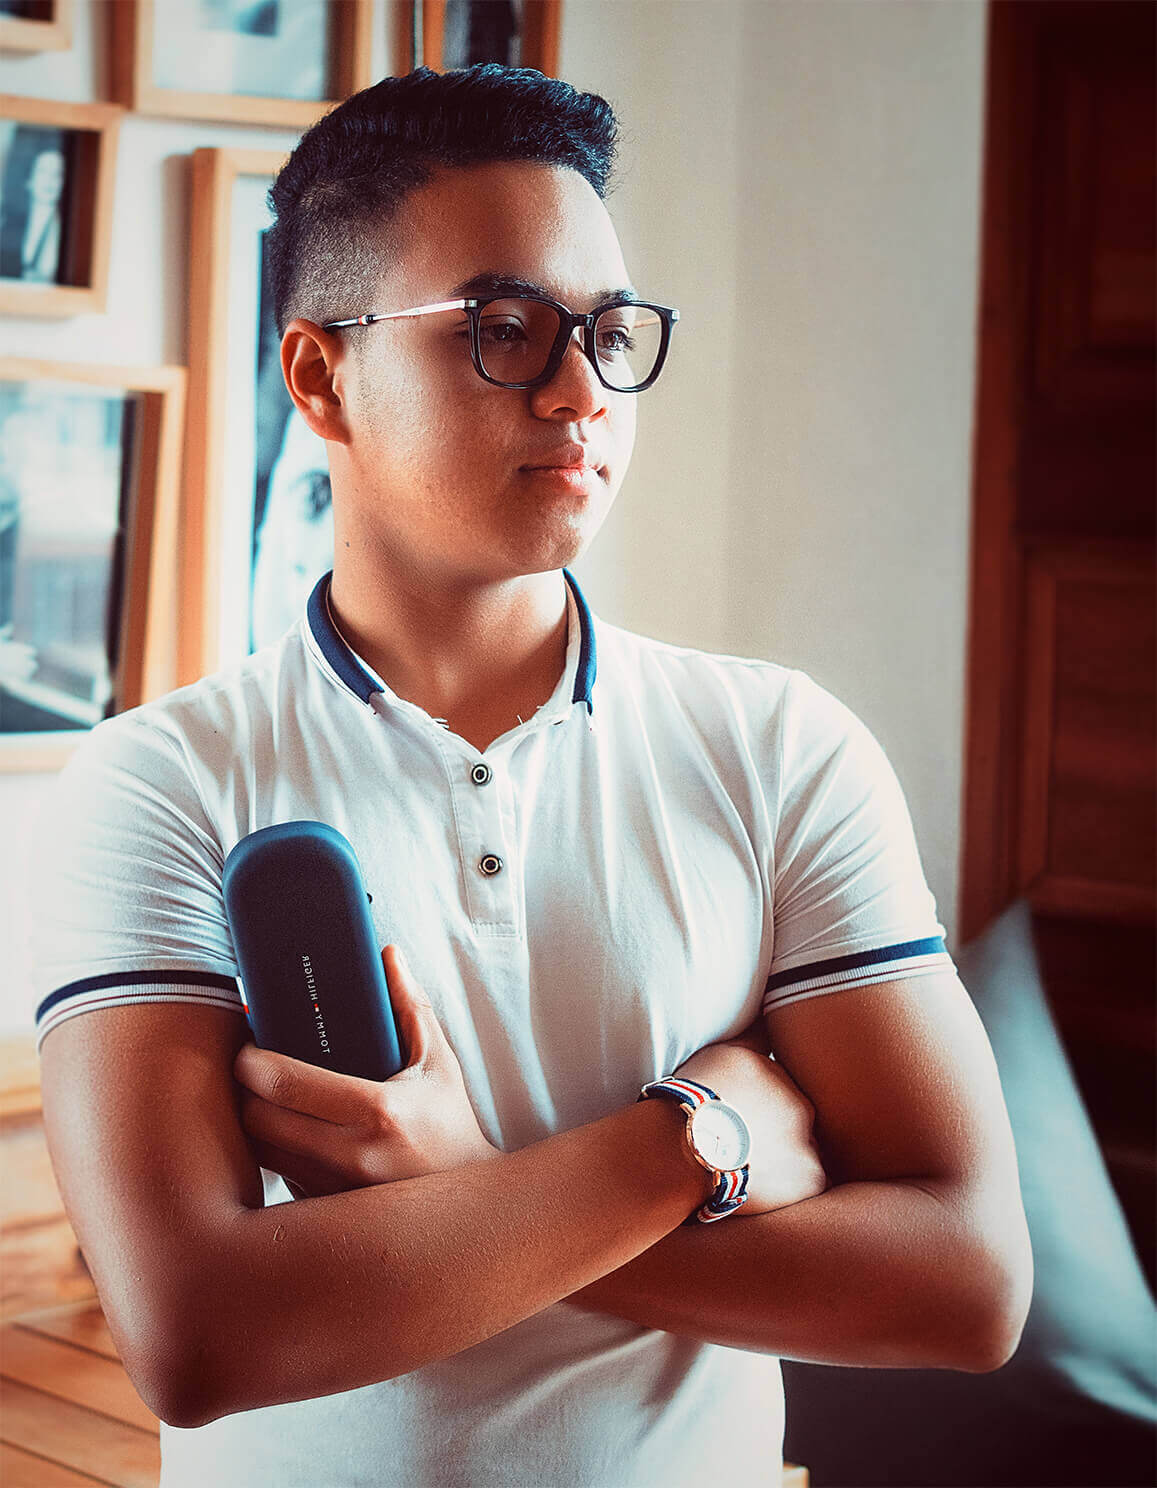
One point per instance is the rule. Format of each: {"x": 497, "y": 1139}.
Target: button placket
{"x": 487, "y": 844}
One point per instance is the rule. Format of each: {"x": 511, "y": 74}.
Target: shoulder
{"x": 219, "y": 713}
{"x": 781, "y": 704}
{"x": 168, "y": 770}
{"x": 244, "y": 692}
{"x": 650, "y": 665}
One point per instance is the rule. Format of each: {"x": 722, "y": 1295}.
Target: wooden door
{"x": 1060, "y": 795}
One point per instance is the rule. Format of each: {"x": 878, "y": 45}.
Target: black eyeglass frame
{"x": 569, "y": 322}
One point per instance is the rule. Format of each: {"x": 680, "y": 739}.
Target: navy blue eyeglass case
{"x": 311, "y": 969}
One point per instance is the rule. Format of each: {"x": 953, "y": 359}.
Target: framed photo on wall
{"x": 35, "y": 25}
{"x": 258, "y": 525}
{"x": 518, "y": 33}
{"x": 277, "y": 62}
{"x": 89, "y": 492}
{"x": 57, "y": 177}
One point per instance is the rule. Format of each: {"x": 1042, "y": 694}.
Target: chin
{"x": 553, "y": 534}
{"x": 563, "y": 546}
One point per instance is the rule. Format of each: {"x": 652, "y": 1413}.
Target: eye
{"x": 615, "y": 340}
{"x": 502, "y": 332}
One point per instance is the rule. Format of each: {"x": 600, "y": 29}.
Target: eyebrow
{"x": 511, "y": 284}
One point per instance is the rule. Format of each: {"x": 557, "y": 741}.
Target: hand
{"x": 326, "y": 1132}
{"x": 785, "y": 1164}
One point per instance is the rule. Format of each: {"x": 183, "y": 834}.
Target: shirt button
{"x": 491, "y": 864}
{"x": 480, "y": 774}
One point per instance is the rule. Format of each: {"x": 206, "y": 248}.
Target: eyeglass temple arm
{"x": 361, "y": 320}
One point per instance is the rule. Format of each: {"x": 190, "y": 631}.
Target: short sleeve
{"x": 126, "y": 898}
{"x": 850, "y": 902}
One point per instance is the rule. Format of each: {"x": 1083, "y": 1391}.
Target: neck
{"x": 478, "y": 655}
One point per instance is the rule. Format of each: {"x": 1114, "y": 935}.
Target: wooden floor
{"x": 70, "y": 1418}
{"x": 69, "y": 1415}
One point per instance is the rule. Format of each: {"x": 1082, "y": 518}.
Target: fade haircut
{"x": 337, "y": 194}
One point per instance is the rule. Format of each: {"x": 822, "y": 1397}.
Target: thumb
{"x": 413, "y": 1014}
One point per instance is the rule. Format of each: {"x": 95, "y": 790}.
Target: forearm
{"x": 882, "y": 1274}
{"x": 331, "y": 1293}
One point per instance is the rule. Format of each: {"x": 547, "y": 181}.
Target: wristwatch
{"x": 718, "y": 1138}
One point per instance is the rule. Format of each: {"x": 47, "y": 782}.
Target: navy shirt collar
{"x": 364, "y": 685}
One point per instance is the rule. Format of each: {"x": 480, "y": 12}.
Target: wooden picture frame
{"x": 535, "y": 42}
{"x": 47, "y": 29}
{"x": 135, "y": 33}
{"x": 88, "y": 134}
{"x": 258, "y": 529}
{"x": 140, "y": 618}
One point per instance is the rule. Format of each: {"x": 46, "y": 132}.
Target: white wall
{"x": 858, "y": 225}
{"x": 801, "y": 483}
{"x": 804, "y": 183}
{"x": 670, "y": 69}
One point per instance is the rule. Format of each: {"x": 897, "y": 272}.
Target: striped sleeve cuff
{"x": 120, "y": 988}
{"x": 885, "y": 964}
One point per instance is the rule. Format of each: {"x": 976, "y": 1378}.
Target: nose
{"x": 574, "y": 392}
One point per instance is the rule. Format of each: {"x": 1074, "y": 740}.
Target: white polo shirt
{"x": 683, "y": 839}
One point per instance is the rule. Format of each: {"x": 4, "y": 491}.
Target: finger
{"x": 417, "y": 1025}
{"x": 296, "y": 1085}
{"x": 305, "y": 1138}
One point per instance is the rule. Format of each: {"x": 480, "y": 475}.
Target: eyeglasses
{"x": 520, "y": 342}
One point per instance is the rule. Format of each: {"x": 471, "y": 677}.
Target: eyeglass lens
{"x": 515, "y": 337}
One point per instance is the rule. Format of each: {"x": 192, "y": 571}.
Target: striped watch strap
{"x": 731, "y": 1190}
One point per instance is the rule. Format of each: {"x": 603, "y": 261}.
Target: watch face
{"x": 719, "y": 1135}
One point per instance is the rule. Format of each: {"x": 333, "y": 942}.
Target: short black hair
{"x": 351, "y": 171}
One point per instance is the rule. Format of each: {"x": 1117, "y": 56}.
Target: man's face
{"x": 46, "y": 178}
{"x": 437, "y": 473}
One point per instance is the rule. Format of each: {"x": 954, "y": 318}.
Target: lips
{"x": 566, "y": 457}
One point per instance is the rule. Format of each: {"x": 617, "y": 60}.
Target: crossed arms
{"x": 916, "y": 1254}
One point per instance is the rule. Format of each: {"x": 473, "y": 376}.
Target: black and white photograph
{"x": 35, "y": 167}
{"x": 261, "y": 48}
{"x": 482, "y": 31}
{"x": 276, "y": 523}
{"x": 65, "y": 458}
{"x": 292, "y": 502}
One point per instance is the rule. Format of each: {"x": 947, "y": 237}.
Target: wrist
{"x": 666, "y": 1124}
{"x": 718, "y": 1139}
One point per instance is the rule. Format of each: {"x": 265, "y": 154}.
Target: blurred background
{"x": 904, "y": 441}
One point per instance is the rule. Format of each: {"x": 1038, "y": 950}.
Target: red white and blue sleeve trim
{"x": 883, "y": 964}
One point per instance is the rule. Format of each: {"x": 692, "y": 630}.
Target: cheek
{"x": 398, "y": 424}
{"x": 459, "y": 435}
{"x": 432, "y": 447}
{"x": 624, "y": 422}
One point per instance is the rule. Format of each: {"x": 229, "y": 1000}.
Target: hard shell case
{"x": 311, "y": 969}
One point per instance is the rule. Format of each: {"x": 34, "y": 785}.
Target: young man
{"x": 596, "y": 861}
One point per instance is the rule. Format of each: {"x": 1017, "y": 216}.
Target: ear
{"x": 312, "y": 365}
